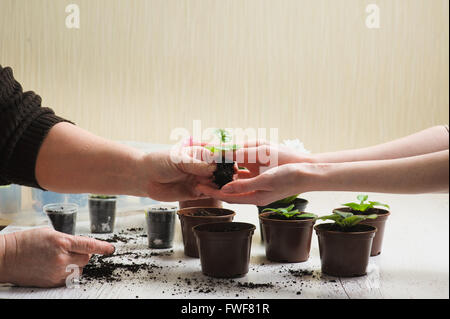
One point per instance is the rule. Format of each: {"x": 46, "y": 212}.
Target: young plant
{"x": 289, "y": 212}
{"x": 224, "y": 137}
{"x": 225, "y": 170}
{"x": 346, "y": 220}
{"x": 363, "y": 206}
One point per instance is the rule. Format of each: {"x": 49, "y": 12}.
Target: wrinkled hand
{"x": 39, "y": 257}
{"x": 174, "y": 175}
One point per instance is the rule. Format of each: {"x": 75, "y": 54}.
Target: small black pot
{"x": 299, "y": 204}
{"x": 102, "y": 212}
{"x": 160, "y": 226}
{"x": 62, "y": 216}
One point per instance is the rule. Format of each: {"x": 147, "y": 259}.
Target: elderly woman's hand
{"x": 40, "y": 257}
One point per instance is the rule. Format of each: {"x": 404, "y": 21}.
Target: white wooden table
{"x": 414, "y": 262}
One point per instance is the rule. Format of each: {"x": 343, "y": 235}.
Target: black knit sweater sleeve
{"x": 24, "y": 124}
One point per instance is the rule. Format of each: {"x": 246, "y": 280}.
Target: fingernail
{"x": 228, "y": 189}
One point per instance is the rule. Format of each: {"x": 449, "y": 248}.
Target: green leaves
{"x": 224, "y": 135}
{"x": 290, "y": 212}
{"x": 222, "y": 148}
{"x": 347, "y": 220}
{"x": 363, "y": 206}
{"x": 287, "y": 200}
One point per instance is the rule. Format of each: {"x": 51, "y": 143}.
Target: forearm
{"x": 2, "y": 259}
{"x": 431, "y": 140}
{"x": 72, "y": 160}
{"x": 419, "y": 174}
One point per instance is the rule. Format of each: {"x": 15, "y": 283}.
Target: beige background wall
{"x": 136, "y": 69}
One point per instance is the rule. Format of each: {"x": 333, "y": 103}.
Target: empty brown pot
{"x": 345, "y": 254}
{"x": 207, "y": 202}
{"x": 189, "y": 219}
{"x": 286, "y": 240}
{"x": 224, "y": 248}
{"x": 299, "y": 204}
{"x": 379, "y": 223}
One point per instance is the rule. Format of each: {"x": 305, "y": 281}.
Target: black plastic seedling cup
{"x": 102, "y": 212}
{"x": 160, "y": 225}
{"x": 62, "y": 216}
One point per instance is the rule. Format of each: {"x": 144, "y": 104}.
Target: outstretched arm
{"x": 431, "y": 140}
{"x": 418, "y": 174}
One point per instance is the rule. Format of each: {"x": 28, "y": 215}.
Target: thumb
{"x": 85, "y": 245}
{"x": 248, "y": 185}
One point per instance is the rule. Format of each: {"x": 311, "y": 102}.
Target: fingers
{"x": 85, "y": 245}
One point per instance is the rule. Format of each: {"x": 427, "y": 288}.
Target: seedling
{"x": 225, "y": 171}
{"x": 346, "y": 220}
{"x": 363, "y": 206}
{"x": 289, "y": 212}
{"x": 224, "y": 137}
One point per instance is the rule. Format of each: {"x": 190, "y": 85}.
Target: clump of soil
{"x": 223, "y": 174}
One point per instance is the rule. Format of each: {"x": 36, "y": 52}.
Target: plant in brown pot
{"x": 345, "y": 245}
{"x": 287, "y": 233}
{"x": 299, "y": 204}
{"x": 365, "y": 207}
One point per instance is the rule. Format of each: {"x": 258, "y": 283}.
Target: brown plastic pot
{"x": 188, "y": 221}
{"x": 287, "y": 240}
{"x": 299, "y": 203}
{"x": 224, "y": 248}
{"x": 207, "y": 202}
{"x": 379, "y": 223}
{"x": 345, "y": 254}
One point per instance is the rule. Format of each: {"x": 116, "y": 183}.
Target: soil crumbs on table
{"x": 134, "y": 264}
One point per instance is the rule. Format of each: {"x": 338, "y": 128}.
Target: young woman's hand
{"x": 40, "y": 257}
{"x": 274, "y": 184}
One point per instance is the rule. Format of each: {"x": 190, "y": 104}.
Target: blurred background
{"x": 135, "y": 70}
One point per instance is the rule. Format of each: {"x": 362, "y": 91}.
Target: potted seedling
{"x": 102, "y": 213}
{"x": 160, "y": 225}
{"x": 287, "y": 233}
{"x": 299, "y": 204}
{"x": 365, "y": 207}
{"x": 193, "y": 216}
{"x": 62, "y": 216}
{"x": 345, "y": 245}
{"x": 224, "y": 248}
{"x": 223, "y": 173}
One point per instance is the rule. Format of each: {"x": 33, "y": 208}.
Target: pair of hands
{"x": 271, "y": 172}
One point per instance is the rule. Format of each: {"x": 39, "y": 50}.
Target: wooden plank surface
{"x": 413, "y": 264}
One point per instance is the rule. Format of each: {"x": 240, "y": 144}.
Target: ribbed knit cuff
{"x": 23, "y": 161}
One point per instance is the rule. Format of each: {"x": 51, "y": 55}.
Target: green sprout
{"x": 224, "y": 137}
{"x": 289, "y": 212}
{"x": 363, "y": 206}
{"x": 346, "y": 220}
